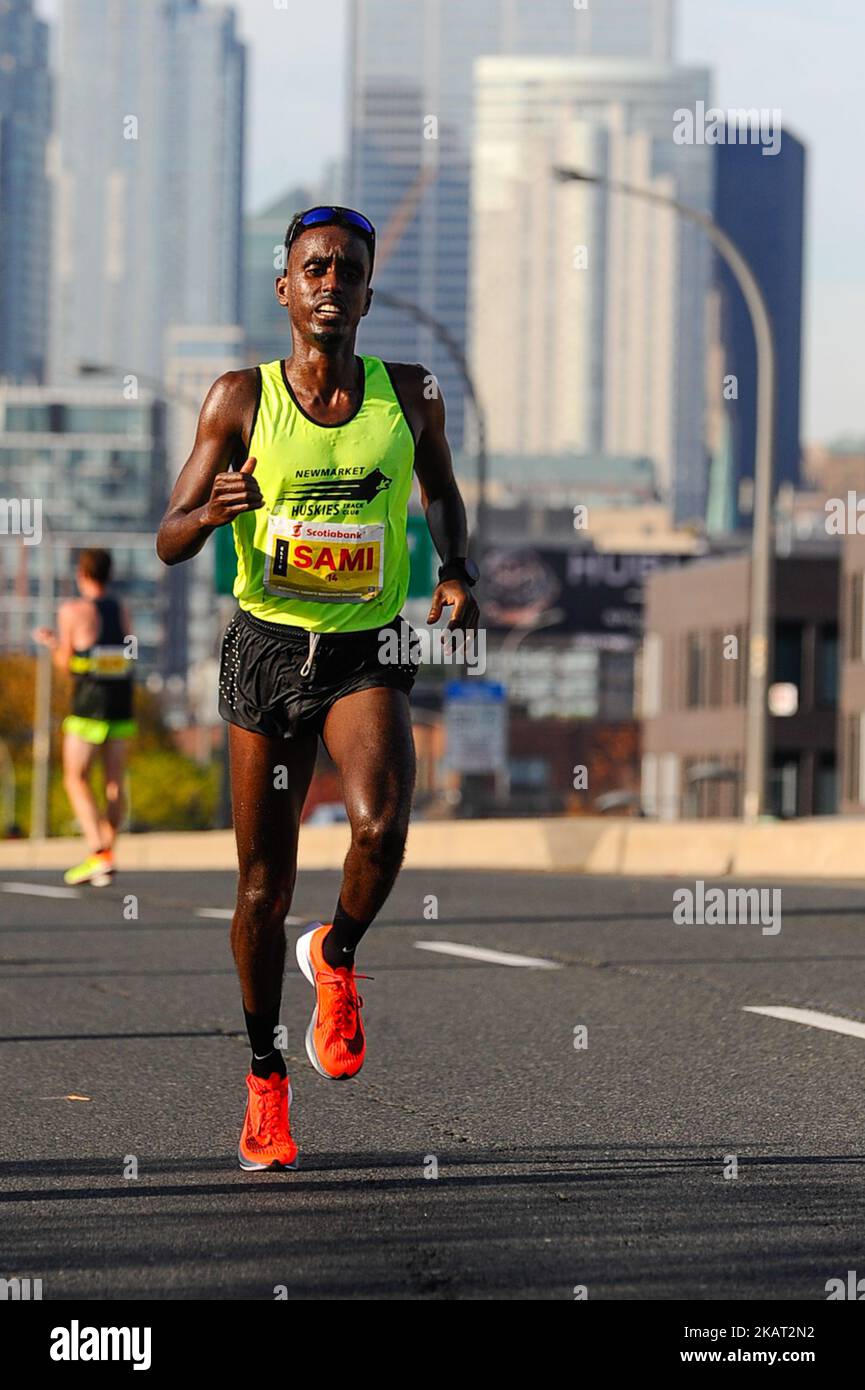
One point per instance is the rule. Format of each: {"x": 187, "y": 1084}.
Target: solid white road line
{"x": 226, "y": 913}
{"x": 832, "y": 1022}
{"x": 40, "y": 890}
{"x": 455, "y": 948}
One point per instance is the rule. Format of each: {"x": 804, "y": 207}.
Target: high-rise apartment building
{"x": 148, "y": 179}
{"x": 25, "y": 228}
{"x": 411, "y": 119}
{"x": 588, "y": 307}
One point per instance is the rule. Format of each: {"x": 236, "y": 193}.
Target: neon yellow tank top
{"x": 327, "y": 551}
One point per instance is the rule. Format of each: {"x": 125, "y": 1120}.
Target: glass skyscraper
{"x": 759, "y": 201}
{"x": 411, "y": 116}
{"x": 587, "y": 308}
{"x": 148, "y": 179}
{"x": 25, "y": 230}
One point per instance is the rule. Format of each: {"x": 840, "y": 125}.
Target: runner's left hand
{"x": 452, "y": 593}
{"x": 44, "y": 636}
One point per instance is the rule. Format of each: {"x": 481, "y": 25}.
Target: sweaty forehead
{"x": 328, "y": 242}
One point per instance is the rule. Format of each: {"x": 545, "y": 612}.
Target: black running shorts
{"x": 273, "y": 680}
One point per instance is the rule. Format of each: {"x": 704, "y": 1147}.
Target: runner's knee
{"x": 263, "y": 898}
{"x": 380, "y": 839}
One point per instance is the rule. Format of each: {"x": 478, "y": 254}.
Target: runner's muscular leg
{"x": 78, "y": 757}
{"x": 369, "y": 736}
{"x": 114, "y": 764}
{"x": 266, "y": 824}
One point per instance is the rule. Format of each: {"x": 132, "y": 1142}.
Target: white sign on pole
{"x": 476, "y": 725}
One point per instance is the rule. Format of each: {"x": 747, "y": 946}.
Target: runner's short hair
{"x": 95, "y": 564}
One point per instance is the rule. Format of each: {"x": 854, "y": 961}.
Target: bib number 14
{"x": 323, "y": 562}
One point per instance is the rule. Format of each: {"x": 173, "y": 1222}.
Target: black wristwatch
{"x": 460, "y": 568}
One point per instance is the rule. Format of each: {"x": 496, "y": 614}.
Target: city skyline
{"x": 160, "y": 248}
{"x": 612, "y": 360}
{"x": 774, "y": 53}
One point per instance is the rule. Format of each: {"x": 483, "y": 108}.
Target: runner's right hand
{"x": 231, "y": 494}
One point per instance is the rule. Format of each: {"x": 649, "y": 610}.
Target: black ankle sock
{"x": 341, "y": 942}
{"x": 264, "y": 1067}
{"x": 266, "y": 1058}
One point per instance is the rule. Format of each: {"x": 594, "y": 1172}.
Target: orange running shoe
{"x": 266, "y": 1141}
{"x": 335, "y": 1042}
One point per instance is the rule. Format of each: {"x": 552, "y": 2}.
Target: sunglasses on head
{"x": 329, "y": 216}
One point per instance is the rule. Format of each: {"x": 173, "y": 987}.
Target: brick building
{"x": 694, "y": 682}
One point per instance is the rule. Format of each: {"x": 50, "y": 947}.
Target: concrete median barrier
{"x": 824, "y": 848}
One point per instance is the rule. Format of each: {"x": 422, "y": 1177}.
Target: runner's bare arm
{"x": 441, "y": 500}
{"x": 66, "y": 618}
{"x": 59, "y": 642}
{"x": 439, "y": 494}
{"x": 207, "y": 493}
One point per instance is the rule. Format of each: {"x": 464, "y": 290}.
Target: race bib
{"x": 108, "y": 663}
{"x": 323, "y": 562}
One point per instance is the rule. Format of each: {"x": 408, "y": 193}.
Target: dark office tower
{"x": 759, "y": 202}
{"x": 25, "y": 232}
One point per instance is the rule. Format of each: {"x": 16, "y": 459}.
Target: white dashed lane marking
{"x": 40, "y": 890}
{"x": 455, "y": 948}
{"x": 225, "y": 914}
{"x": 832, "y": 1022}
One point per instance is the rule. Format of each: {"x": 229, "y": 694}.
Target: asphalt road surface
{"x": 558, "y": 1165}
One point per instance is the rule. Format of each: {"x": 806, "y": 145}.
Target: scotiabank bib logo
{"x": 324, "y": 564}
{"x": 343, "y": 534}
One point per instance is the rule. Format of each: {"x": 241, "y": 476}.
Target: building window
{"x": 788, "y": 653}
{"x": 854, "y": 647}
{"x": 714, "y": 670}
{"x": 694, "y": 671}
{"x": 784, "y": 785}
{"x": 649, "y": 784}
{"x": 616, "y": 685}
{"x": 28, "y": 417}
{"x": 825, "y": 786}
{"x": 827, "y": 665}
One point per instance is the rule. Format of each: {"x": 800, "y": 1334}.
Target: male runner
{"x": 310, "y": 459}
{"x": 90, "y": 643}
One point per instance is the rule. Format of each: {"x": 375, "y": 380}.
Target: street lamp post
{"x": 760, "y": 643}
{"x": 452, "y": 347}
{"x": 41, "y": 754}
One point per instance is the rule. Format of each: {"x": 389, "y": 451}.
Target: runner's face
{"x": 325, "y": 285}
